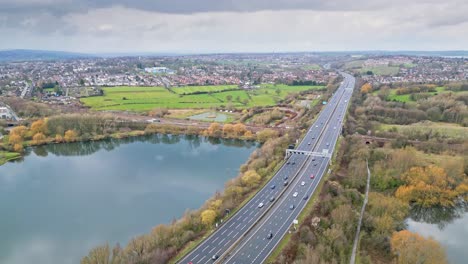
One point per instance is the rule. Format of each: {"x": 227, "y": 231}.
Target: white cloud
{"x": 422, "y": 25}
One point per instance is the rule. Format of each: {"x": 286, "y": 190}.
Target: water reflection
{"x": 61, "y": 200}
{"x": 90, "y": 147}
{"x": 440, "y": 216}
{"x": 448, "y": 226}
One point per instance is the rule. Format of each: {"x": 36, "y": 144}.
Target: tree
{"x": 277, "y": 91}
{"x": 428, "y": 186}
{"x": 208, "y": 217}
{"x": 38, "y": 138}
{"x": 251, "y": 178}
{"x": 70, "y": 135}
{"x": 266, "y": 134}
{"x": 239, "y": 129}
{"x": 19, "y": 130}
{"x": 229, "y": 98}
{"x": 412, "y": 248}
{"x": 58, "y": 138}
{"x": 39, "y": 126}
{"x": 15, "y": 139}
{"x": 18, "y": 148}
{"x": 214, "y": 130}
{"x": 366, "y": 88}
{"x": 228, "y": 129}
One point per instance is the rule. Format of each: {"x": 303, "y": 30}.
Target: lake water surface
{"x": 62, "y": 200}
{"x": 448, "y": 226}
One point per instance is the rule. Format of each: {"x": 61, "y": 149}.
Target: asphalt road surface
{"x": 243, "y": 238}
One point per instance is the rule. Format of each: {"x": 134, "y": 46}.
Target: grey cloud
{"x": 195, "y": 6}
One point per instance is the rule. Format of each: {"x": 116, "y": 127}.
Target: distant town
{"x": 63, "y": 81}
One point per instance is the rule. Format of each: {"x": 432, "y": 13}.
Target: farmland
{"x": 407, "y": 97}
{"x": 446, "y": 130}
{"x": 141, "y": 99}
{"x": 381, "y": 70}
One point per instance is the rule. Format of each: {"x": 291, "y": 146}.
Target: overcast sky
{"x": 109, "y": 26}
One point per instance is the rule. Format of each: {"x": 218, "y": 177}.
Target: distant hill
{"x": 29, "y": 55}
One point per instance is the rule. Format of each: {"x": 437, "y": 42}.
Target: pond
{"x": 448, "y": 226}
{"x": 62, "y": 200}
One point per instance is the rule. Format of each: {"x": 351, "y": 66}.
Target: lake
{"x": 61, "y": 200}
{"x": 448, "y": 226}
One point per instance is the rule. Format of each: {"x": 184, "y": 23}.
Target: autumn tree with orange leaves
{"x": 412, "y": 248}
{"x": 430, "y": 186}
{"x": 366, "y": 88}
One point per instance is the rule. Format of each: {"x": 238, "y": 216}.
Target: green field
{"x": 312, "y": 67}
{"x": 354, "y": 64}
{"x": 444, "y": 129}
{"x": 147, "y": 98}
{"x": 406, "y": 97}
{"x": 381, "y": 70}
{"x": 206, "y": 89}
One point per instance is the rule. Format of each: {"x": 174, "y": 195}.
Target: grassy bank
{"x": 6, "y": 156}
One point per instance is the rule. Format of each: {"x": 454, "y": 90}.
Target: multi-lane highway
{"x": 251, "y": 234}
{"x": 263, "y": 238}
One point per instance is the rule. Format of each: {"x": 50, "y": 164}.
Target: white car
{"x": 260, "y": 205}
{"x": 303, "y": 183}
{"x": 295, "y": 194}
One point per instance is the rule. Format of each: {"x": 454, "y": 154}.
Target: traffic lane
{"x": 287, "y": 192}
{"x": 282, "y": 217}
{"x": 212, "y": 241}
{"x": 266, "y": 251}
{"x": 326, "y": 112}
{"x": 235, "y": 231}
{"x": 277, "y": 217}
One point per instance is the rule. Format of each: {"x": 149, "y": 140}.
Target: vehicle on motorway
{"x": 272, "y": 186}
{"x": 291, "y": 206}
{"x": 214, "y": 257}
{"x": 312, "y": 176}
{"x": 306, "y": 197}
{"x": 272, "y": 199}
{"x": 295, "y": 194}
{"x": 293, "y": 162}
{"x": 260, "y": 205}
{"x": 313, "y": 159}
{"x": 315, "y": 164}
{"x": 303, "y": 183}
{"x": 270, "y": 235}
{"x": 308, "y": 143}
{"x": 285, "y": 177}
{"x": 285, "y": 183}
{"x": 287, "y": 163}
{"x": 328, "y": 144}
{"x": 334, "y": 127}
{"x": 316, "y": 125}
{"x": 313, "y": 137}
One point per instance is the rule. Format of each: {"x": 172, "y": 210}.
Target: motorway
{"x": 256, "y": 247}
{"x": 241, "y": 239}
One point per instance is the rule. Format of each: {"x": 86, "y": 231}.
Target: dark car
{"x": 306, "y": 197}
{"x": 214, "y": 257}
{"x": 285, "y": 183}
{"x": 270, "y": 235}
{"x": 288, "y": 162}
{"x": 291, "y": 206}
{"x": 285, "y": 177}
{"x": 272, "y": 199}
{"x": 293, "y": 162}
{"x": 272, "y": 186}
